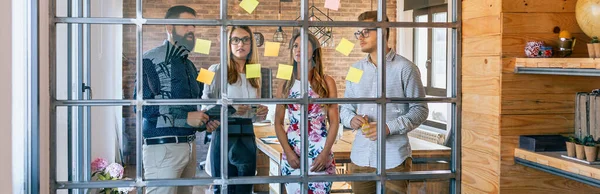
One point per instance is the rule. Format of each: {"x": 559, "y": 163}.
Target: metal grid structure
{"x": 79, "y": 180}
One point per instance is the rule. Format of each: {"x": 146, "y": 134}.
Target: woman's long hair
{"x": 252, "y": 58}
{"x": 318, "y": 79}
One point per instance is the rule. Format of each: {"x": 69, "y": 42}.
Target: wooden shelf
{"x": 553, "y": 163}
{"x": 558, "y": 66}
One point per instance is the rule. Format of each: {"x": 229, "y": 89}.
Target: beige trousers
{"x": 391, "y": 187}
{"x": 169, "y": 161}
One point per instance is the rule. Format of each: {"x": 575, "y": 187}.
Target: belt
{"x": 169, "y": 139}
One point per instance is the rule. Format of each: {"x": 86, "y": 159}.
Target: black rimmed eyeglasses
{"x": 235, "y": 40}
{"x": 364, "y": 33}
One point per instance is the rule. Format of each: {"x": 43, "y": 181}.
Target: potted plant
{"x": 594, "y": 47}
{"x": 590, "y": 148}
{"x": 571, "y": 141}
{"x": 579, "y": 151}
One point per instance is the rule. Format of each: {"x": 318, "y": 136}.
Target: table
{"x": 270, "y": 155}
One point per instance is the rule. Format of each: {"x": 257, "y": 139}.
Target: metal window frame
{"x": 381, "y": 176}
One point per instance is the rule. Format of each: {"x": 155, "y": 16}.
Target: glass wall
{"x": 255, "y": 96}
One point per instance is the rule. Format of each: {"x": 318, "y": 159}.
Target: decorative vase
{"x": 597, "y": 49}
{"x": 533, "y": 48}
{"x": 545, "y": 51}
{"x": 591, "y": 50}
{"x": 570, "y": 149}
{"x": 590, "y": 153}
{"x": 565, "y": 47}
{"x": 579, "y": 152}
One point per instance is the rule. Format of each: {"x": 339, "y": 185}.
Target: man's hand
{"x": 212, "y": 125}
{"x": 372, "y": 133}
{"x": 196, "y": 118}
{"x": 357, "y": 122}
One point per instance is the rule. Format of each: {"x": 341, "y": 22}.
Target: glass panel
{"x": 421, "y": 187}
{"x": 112, "y": 142}
{"x": 439, "y": 52}
{"x": 205, "y": 10}
{"x": 439, "y": 112}
{"x": 112, "y": 61}
{"x": 421, "y": 48}
{"x": 100, "y": 8}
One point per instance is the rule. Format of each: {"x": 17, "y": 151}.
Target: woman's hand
{"x": 241, "y": 109}
{"x": 321, "y": 162}
{"x": 293, "y": 159}
{"x": 261, "y": 112}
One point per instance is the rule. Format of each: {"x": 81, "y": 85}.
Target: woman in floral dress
{"x": 323, "y": 120}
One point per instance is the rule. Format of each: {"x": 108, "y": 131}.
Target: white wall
{"x": 404, "y": 45}
{"x": 5, "y": 100}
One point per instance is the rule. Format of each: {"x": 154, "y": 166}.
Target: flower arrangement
{"x": 103, "y": 171}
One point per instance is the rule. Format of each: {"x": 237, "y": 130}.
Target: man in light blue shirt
{"x": 402, "y": 80}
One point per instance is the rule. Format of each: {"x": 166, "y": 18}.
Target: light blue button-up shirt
{"x": 402, "y": 80}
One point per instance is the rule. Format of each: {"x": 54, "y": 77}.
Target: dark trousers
{"x": 242, "y": 160}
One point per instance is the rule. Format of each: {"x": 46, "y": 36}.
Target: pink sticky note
{"x": 332, "y": 4}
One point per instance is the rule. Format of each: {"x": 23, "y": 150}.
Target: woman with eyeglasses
{"x": 242, "y": 147}
{"x": 323, "y": 119}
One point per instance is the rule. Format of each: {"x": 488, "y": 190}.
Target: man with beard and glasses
{"x": 169, "y": 130}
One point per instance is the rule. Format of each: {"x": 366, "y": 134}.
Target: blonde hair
{"x": 318, "y": 83}
{"x": 252, "y": 58}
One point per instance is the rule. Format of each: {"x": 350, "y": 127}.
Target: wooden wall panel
{"x": 474, "y": 139}
{"x": 516, "y": 104}
{"x": 521, "y": 179}
{"x": 531, "y": 6}
{"x": 513, "y": 45}
{"x": 482, "y": 66}
{"x": 536, "y": 124}
{"x": 520, "y": 84}
{"x": 480, "y": 8}
{"x": 507, "y": 149}
{"x": 482, "y": 45}
{"x": 480, "y": 171}
{"x": 481, "y": 104}
{"x": 527, "y": 23}
{"x": 488, "y": 124}
{"x": 481, "y": 85}
{"x": 473, "y": 27}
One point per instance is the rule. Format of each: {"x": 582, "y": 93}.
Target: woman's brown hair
{"x": 252, "y": 58}
{"x": 318, "y": 83}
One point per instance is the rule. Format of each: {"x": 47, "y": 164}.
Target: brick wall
{"x": 335, "y": 63}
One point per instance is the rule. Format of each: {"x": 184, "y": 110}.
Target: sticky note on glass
{"x": 345, "y": 47}
{"x": 205, "y": 76}
{"x": 285, "y": 71}
{"x": 354, "y": 75}
{"x": 272, "y": 49}
{"x": 249, "y": 5}
{"x": 202, "y": 46}
{"x": 332, "y": 4}
{"x": 252, "y": 71}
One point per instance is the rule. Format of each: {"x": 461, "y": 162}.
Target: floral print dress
{"x": 317, "y": 135}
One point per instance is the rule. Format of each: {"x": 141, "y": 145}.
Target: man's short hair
{"x": 372, "y": 15}
{"x": 175, "y": 11}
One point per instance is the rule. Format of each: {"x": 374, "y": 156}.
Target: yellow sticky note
{"x": 202, "y": 46}
{"x": 285, "y": 71}
{"x": 272, "y": 49}
{"x": 354, "y": 75}
{"x": 249, "y": 5}
{"x": 252, "y": 71}
{"x": 205, "y": 76}
{"x": 345, "y": 47}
